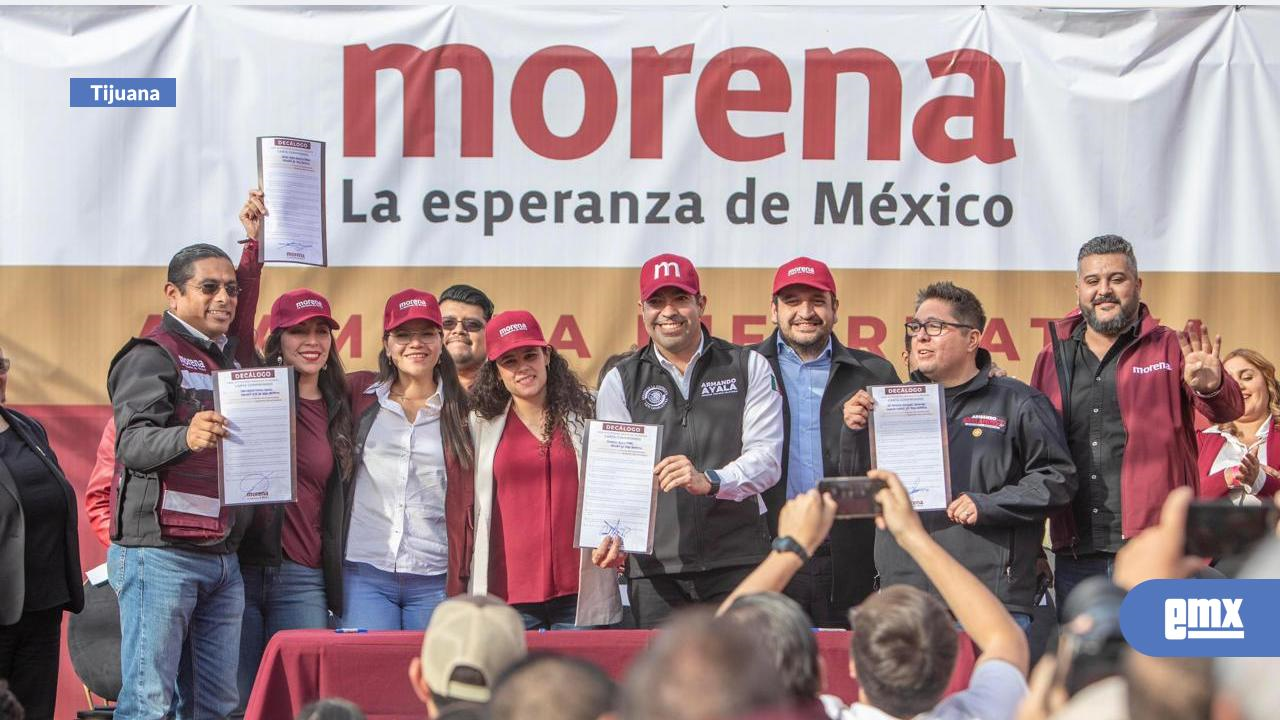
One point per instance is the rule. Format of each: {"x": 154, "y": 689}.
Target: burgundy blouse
{"x": 535, "y": 509}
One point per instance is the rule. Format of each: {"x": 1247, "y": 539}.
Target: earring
{"x": 325, "y": 366}
{"x": 280, "y": 360}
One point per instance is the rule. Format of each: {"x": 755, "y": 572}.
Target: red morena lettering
{"x": 652, "y": 71}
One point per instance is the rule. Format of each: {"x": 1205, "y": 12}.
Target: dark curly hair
{"x": 333, "y": 388}
{"x": 566, "y": 395}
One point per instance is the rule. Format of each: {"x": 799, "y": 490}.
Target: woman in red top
{"x": 530, "y": 412}
{"x": 291, "y": 557}
{"x": 1238, "y": 459}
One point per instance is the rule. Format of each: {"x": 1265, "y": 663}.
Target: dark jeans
{"x": 1069, "y": 571}
{"x": 811, "y": 588}
{"x": 29, "y": 660}
{"x": 555, "y": 614}
{"x": 653, "y": 598}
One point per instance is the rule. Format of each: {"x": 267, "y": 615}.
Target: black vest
{"x": 695, "y": 533}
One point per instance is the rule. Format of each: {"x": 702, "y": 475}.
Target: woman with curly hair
{"x": 1238, "y": 459}
{"x": 529, "y": 412}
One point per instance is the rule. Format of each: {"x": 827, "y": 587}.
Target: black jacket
{"x": 853, "y": 568}
{"x": 13, "y": 531}
{"x": 262, "y": 547}
{"x": 1009, "y": 454}
{"x": 144, "y": 384}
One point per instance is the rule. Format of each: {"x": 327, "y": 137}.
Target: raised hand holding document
{"x": 618, "y": 495}
{"x": 256, "y": 461}
{"x": 909, "y": 437}
{"x": 291, "y": 176}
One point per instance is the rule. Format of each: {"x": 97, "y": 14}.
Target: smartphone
{"x": 1217, "y": 529}
{"x": 855, "y": 496}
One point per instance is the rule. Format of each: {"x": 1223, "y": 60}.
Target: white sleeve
{"x": 610, "y": 402}
{"x": 996, "y": 689}
{"x": 759, "y": 466}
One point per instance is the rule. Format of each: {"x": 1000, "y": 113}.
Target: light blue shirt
{"x": 805, "y": 382}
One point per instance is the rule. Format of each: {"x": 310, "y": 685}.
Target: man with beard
{"x": 465, "y": 312}
{"x": 1126, "y": 388}
{"x": 721, "y": 417}
{"x": 818, "y": 373}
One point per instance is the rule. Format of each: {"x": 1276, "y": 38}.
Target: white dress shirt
{"x": 1233, "y": 452}
{"x": 759, "y": 467}
{"x": 397, "y": 518}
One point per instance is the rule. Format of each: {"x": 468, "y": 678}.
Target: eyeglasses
{"x": 211, "y": 288}
{"x": 933, "y": 328}
{"x": 405, "y": 337}
{"x": 5, "y": 364}
{"x": 471, "y": 325}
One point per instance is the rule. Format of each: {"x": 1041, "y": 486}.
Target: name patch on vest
{"x": 655, "y": 397}
{"x": 988, "y": 422}
{"x": 720, "y": 387}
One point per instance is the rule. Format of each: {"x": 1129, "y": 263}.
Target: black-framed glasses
{"x": 211, "y": 287}
{"x": 471, "y": 325}
{"x": 932, "y": 328}
{"x": 5, "y": 364}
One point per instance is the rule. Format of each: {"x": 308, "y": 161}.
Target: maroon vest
{"x": 189, "y": 508}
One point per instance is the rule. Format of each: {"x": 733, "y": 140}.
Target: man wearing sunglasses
{"x": 1009, "y": 459}
{"x": 465, "y": 311}
{"x": 172, "y": 561}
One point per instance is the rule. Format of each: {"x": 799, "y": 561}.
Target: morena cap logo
{"x": 414, "y": 302}
{"x": 310, "y": 303}
{"x": 802, "y": 270}
{"x": 513, "y": 327}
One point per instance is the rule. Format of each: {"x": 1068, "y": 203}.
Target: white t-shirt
{"x": 995, "y": 691}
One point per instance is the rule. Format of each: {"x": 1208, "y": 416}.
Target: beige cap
{"x": 470, "y": 631}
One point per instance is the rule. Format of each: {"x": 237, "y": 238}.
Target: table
{"x": 372, "y": 669}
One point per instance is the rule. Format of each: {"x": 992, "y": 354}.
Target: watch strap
{"x": 786, "y": 543}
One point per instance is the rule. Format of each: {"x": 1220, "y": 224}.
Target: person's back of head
{"x": 1168, "y": 688}
{"x": 700, "y": 668}
{"x": 331, "y": 709}
{"x": 553, "y": 687}
{"x": 470, "y": 640}
{"x": 782, "y": 629}
{"x": 10, "y": 708}
{"x": 903, "y": 651}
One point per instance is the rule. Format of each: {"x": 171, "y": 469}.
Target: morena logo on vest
{"x": 655, "y": 397}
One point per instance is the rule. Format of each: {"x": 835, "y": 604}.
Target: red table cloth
{"x": 372, "y": 669}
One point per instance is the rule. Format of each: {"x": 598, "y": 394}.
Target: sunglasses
{"x": 471, "y": 325}
{"x": 211, "y": 288}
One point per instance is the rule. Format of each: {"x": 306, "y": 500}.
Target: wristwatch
{"x": 786, "y": 543}
{"x": 714, "y": 479}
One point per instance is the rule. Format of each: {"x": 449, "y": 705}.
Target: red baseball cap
{"x": 668, "y": 270}
{"x": 804, "y": 271}
{"x": 298, "y": 306}
{"x": 409, "y": 305}
{"x": 510, "y": 330}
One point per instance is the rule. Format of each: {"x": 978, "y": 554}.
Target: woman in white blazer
{"x": 529, "y": 414}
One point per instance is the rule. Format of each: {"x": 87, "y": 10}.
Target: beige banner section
{"x": 61, "y": 326}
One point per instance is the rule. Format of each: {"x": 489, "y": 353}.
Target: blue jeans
{"x": 180, "y": 613}
{"x": 374, "y": 599}
{"x": 290, "y": 597}
{"x": 1023, "y": 620}
{"x": 1069, "y": 571}
{"x": 555, "y": 614}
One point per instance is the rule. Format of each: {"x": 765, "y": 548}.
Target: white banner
{"x": 945, "y": 137}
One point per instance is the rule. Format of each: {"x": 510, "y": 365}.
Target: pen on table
{"x": 350, "y": 630}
